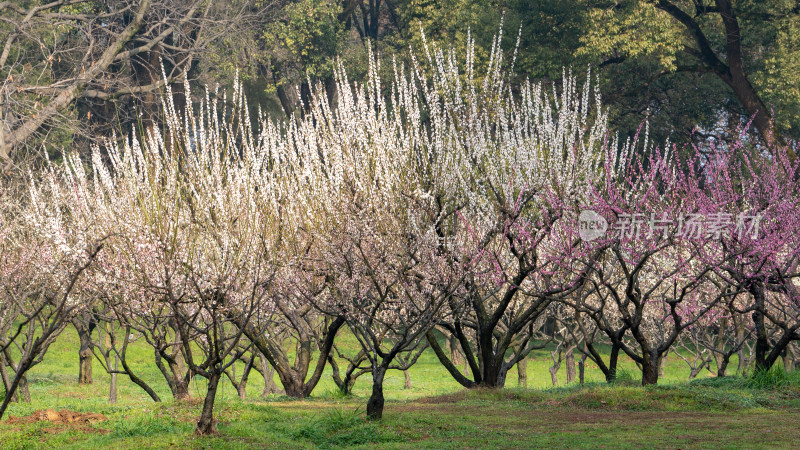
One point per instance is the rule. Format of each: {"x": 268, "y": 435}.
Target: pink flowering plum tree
{"x": 759, "y": 189}
{"x": 515, "y": 163}
{"x": 657, "y": 276}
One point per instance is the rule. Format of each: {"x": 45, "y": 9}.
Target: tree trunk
{"x": 6, "y": 380}
{"x": 268, "y": 372}
{"x": 242, "y": 388}
{"x": 407, "y": 375}
{"x": 24, "y": 391}
{"x": 737, "y": 79}
{"x": 522, "y": 373}
{"x": 292, "y": 386}
{"x": 375, "y": 402}
{"x": 650, "y": 367}
{"x": 207, "y": 425}
{"x": 25, "y": 363}
{"x": 556, "y": 356}
{"x": 493, "y": 373}
{"x": 719, "y": 343}
{"x": 570, "y": 362}
{"x": 66, "y": 96}
{"x": 788, "y": 362}
{"x": 722, "y": 365}
{"x": 447, "y": 363}
{"x": 740, "y": 354}
{"x": 581, "y": 368}
{"x": 762, "y": 340}
{"x": 181, "y": 387}
{"x": 112, "y": 390}
{"x": 613, "y": 359}
{"x": 553, "y": 371}
{"x": 455, "y": 354}
{"x": 754, "y": 106}
{"x": 793, "y": 353}
{"x": 85, "y": 356}
{"x": 501, "y": 377}
{"x": 136, "y": 380}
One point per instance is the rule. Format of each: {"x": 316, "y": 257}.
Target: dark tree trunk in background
{"x": 722, "y": 365}
{"x": 732, "y": 70}
{"x": 581, "y": 368}
{"x": 759, "y": 322}
{"x": 737, "y": 79}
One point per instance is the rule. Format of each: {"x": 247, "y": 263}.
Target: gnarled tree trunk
{"x": 207, "y": 425}
{"x": 375, "y": 402}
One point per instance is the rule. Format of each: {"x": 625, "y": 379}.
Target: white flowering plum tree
{"x": 305, "y": 330}
{"x": 43, "y": 267}
{"x": 368, "y": 177}
{"x": 195, "y": 231}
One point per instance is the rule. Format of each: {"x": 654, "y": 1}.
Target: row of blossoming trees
{"x": 502, "y": 216}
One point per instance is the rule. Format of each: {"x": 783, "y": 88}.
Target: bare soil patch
{"x": 63, "y": 420}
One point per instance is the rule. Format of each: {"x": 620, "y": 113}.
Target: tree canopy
{"x": 694, "y": 69}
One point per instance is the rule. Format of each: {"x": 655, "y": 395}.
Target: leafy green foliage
{"x": 646, "y": 52}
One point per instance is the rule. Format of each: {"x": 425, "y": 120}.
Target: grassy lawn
{"x": 434, "y": 413}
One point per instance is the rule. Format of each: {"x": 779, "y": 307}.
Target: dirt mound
{"x": 63, "y": 417}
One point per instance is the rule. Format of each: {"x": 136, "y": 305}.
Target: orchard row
{"x": 505, "y": 216}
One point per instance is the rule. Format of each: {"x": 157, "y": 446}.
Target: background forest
{"x": 696, "y": 70}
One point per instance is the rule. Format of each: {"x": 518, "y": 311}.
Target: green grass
{"x": 732, "y": 412}
{"x": 776, "y": 377}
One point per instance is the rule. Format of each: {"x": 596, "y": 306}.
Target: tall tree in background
{"x": 66, "y": 64}
{"x": 718, "y": 60}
